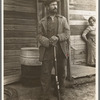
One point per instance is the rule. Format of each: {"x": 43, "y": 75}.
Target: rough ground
{"x": 83, "y": 81}
{"x": 80, "y": 92}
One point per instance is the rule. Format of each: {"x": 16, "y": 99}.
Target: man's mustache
{"x": 55, "y": 9}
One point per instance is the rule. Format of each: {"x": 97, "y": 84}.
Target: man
{"x": 53, "y": 31}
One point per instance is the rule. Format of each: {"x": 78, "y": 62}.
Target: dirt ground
{"x": 81, "y": 92}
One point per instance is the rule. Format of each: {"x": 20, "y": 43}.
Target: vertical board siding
{"x": 20, "y": 29}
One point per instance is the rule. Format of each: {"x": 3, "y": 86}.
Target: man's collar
{"x": 56, "y": 15}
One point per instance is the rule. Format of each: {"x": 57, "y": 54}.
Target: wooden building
{"x": 20, "y": 29}
{"x": 80, "y": 11}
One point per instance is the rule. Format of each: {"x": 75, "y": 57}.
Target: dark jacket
{"x": 63, "y": 34}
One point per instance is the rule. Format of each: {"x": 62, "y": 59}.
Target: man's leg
{"x": 46, "y": 78}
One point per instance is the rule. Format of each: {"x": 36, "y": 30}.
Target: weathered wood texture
{"x": 78, "y": 50}
{"x": 89, "y": 5}
{"x": 79, "y": 12}
{"x": 20, "y": 29}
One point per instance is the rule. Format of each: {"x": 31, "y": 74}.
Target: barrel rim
{"x": 32, "y": 65}
{"x": 28, "y": 57}
{"x": 29, "y": 48}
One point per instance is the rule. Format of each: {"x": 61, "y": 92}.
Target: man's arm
{"x": 66, "y": 31}
{"x": 44, "y": 41}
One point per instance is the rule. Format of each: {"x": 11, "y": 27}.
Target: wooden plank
{"x": 81, "y": 56}
{"x": 77, "y": 29}
{"x": 80, "y": 61}
{"x": 83, "y": 12}
{"x": 86, "y": 2}
{"x": 11, "y": 79}
{"x": 11, "y": 59}
{"x": 78, "y": 47}
{"x": 77, "y": 17}
{"x": 19, "y": 40}
{"x": 20, "y": 2}
{"x": 78, "y": 42}
{"x": 19, "y": 33}
{"x": 81, "y": 51}
{"x": 11, "y": 2}
{"x": 20, "y": 27}
{"x": 7, "y": 69}
{"x": 10, "y": 72}
{"x": 12, "y": 65}
{"x": 77, "y": 39}
{"x": 80, "y": 17}
{"x": 18, "y": 46}
{"x": 12, "y": 52}
{"x": 83, "y": 7}
{"x": 20, "y": 8}
{"x": 20, "y": 15}
{"x": 78, "y": 22}
{"x": 20, "y": 21}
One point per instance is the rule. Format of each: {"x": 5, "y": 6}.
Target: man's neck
{"x": 52, "y": 17}
{"x": 52, "y": 14}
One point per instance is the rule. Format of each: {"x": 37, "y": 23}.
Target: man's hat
{"x": 47, "y": 2}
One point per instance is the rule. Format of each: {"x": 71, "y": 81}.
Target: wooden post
{"x": 69, "y": 74}
{"x": 65, "y": 12}
{"x": 37, "y": 19}
{"x": 67, "y": 8}
{"x": 59, "y": 7}
{"x": 44, "y": 10}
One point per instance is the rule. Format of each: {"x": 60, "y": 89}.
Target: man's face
{"x": 53, "y": 7}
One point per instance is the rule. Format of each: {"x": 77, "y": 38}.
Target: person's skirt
{"x": 91, "y": 54}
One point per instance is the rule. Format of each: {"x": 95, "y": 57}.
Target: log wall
{"x": 20, "y": 29}
{"x": 79, "y": 12}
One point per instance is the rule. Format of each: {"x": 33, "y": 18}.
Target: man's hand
{"x": 53, "y": 40}
{"x": 44, "y": 41}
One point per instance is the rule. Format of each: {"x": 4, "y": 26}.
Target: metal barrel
{"x": 30, "y": 66}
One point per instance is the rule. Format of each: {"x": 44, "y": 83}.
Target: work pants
{"x": 46, "y": 74}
